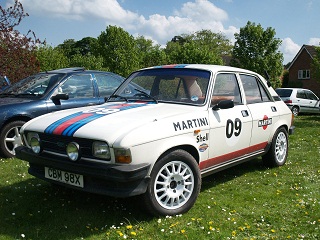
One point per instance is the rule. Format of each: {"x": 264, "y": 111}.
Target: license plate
{"x": 65, "y": 177}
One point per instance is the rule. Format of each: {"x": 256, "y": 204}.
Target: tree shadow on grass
{"x": 38, "y": 210}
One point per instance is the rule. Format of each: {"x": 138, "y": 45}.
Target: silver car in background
{"x": 299, "y": 100}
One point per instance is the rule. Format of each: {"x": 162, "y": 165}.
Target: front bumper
{"x": 108, "y": 179}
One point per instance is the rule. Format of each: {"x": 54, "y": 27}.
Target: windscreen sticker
{"x": 68, "y": 125}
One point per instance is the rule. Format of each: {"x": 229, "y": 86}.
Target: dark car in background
{"x": 48, "y": 92}
{"x": 300, "y": 100}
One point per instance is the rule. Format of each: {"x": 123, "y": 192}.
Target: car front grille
{"x": 58, "y": 144}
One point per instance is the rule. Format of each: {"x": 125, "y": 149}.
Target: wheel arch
{"x": 15, "y": 118}
{"x": 186, "y": 147}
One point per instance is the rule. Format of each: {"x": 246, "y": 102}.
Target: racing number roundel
{"x": 233, "y": 130}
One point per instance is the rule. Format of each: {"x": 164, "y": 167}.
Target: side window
{"x": 254, "y": 89}
{"x": 301, "y": 94}
{"x": 226, "y": 87}
{"x": 311, "y": 96}
{"x": 78, "y": 86}
{"x": 107, "y": 84}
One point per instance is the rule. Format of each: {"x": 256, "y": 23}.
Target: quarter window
{"x": 254, "y": 89}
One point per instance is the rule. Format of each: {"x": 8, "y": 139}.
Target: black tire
{"x": 278, "y": 152}
{"x": 295, "y": 110}
{"x": 174, "y": 185}
{"x": 10, "y": 138}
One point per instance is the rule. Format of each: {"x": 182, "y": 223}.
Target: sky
{"x": 296, "y": 22}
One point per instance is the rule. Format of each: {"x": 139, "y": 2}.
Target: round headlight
{"x": 73, "y": 151}
{"x": 35, "y": 144}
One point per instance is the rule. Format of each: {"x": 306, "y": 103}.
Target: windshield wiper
{"x": 107, "y": 99}
{"x": 145, "y": 95}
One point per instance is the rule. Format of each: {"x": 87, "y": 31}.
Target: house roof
{"x": 311, "y": 50}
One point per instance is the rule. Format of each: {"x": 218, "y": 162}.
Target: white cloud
{"x": 289, "y": 49}
{"x": 193, "y": 16}
{"x": 314, "y": 41}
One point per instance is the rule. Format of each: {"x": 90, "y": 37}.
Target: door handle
{"x": 244, "y": 113}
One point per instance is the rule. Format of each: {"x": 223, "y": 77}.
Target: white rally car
{"x": 177, "y": 124}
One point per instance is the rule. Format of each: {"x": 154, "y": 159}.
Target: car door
{"x": 230, "y": 129}
{"x": 81, "y": 92}
{"x": 302, "y": 100}
{"x": 262, "y": 109}
{"x": 313, "y": 102}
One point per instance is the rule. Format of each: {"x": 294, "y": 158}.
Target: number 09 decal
{"x": 233, "y": 128}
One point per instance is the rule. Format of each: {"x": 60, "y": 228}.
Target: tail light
{"x": 288, "y": 101}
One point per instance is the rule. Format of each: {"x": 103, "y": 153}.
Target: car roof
{"x": 212, "y": 68}
{"x": 75, "y": 70}
{"x": 295, "y": 89}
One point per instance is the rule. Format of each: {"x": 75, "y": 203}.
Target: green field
{"x": 248, "y": 201}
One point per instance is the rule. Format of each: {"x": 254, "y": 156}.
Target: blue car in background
{"x": 4, "y": 83}
{"x": 48, "y": 92}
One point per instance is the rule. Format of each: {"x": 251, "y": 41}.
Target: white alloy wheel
{"x": 174, "y": 185}
{"x": 281, "y": 148}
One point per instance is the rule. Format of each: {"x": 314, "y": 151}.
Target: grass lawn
{"x": 248, "y": 201}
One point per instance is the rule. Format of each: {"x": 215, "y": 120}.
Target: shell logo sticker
{"x": 203, "y": 147}
{"x": 265, "y": 122}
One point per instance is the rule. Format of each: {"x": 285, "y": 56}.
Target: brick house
{"x": 300, "y": 72}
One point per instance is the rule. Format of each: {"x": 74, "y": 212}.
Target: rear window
{"x": 284, "y": 92}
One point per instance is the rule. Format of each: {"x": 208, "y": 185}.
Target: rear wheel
{"x": 174, "y": 185}
{"x": 295, "y": 110}
{"x": 278, "y": 152}
{"x": 10, "y": 138}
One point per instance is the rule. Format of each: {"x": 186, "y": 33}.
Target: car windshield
{"x": 284, "y": 92}
{"x": 35, "y": 85}
{"x": 175, "y": 85}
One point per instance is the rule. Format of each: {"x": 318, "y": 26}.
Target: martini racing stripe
{"x": 54, "y": 125}
{"x": 68, "y": 125}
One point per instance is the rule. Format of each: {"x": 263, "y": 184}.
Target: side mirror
{"x": 223, "y": 104}
{"x": 60, "y": 96}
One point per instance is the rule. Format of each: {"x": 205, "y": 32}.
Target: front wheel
{"x": 10, "y": 138}
{"x": 174, "y": 185}
{"x": 278, "y": 152}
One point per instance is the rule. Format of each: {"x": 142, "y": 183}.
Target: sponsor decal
{"x": 201, "y": 138}
{"x": 265, "y": 122}
{"x": 203, "y": 147}
{"x": 68, "y": 125}
{"x": 189, "y": 124}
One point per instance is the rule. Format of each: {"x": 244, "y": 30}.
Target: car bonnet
{"x": 105, "y": 122}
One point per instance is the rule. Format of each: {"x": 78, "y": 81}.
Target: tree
{"x": 315, "y": 65}
{"x": 216, "y": 42}
{"x": 118, "y": 49}
{"x": 70, "y": 47}
{"x": 200, "y": 47}
{"x": 51, "y": 58}
{"x": 256, "y": 49}
{"x": 149, "y": 54}
{"x": 17, "y": 50}
{"x": 191, "y": 52}
{"x": 87, "y": 61}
